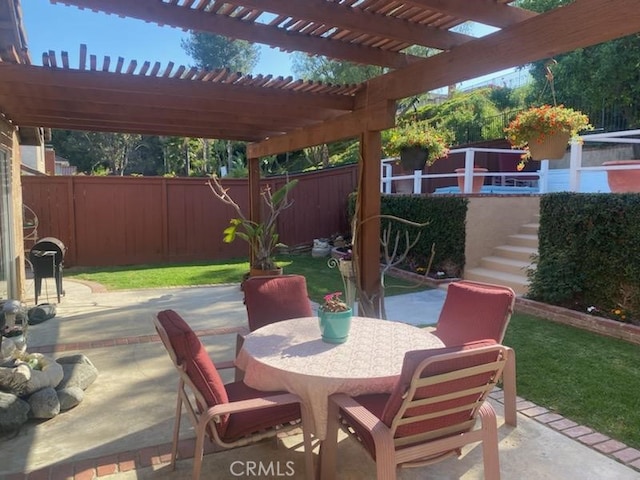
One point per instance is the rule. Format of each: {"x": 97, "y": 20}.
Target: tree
{"x": 99, "y": 152}
{"x": 213, "y": 51}
{"x": 593, "y": 78}
{"x": 322, "y": 69}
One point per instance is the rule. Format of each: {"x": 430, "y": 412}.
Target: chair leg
{"x": 37, "y": 286}
{"x": 490, "y": 454}
{"x": 198, "y": 453}
{"x": 509, "y": 388}
{"x": 176, "y": 430}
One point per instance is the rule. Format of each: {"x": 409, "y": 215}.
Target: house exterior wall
{"x": 11, "y": 205}
{"x": 33, "y": 157}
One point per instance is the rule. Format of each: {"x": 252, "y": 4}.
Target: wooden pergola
{"x": 282, "y": 114}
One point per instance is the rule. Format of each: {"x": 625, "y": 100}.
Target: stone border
{"x": 432, "y": 282}
{"x": 600, "y": 325}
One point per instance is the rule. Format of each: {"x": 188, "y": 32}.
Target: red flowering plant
{"x": 538, "y": 123}
{"x": 333, "y": 303}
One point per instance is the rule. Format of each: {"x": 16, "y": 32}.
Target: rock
{"x": 22, "y": 380}
{"x": 76, "y": 358}
{"x": 44, "y": 403}
{"x": 78, "y": 375}
{"x": 7, "y": 350}
{"x": 14, "y": 380}
{"x": 13, "y": 412}
{"x": 69, "y": 397}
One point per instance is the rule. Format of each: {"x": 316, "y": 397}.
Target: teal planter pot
{"x": 334, "y": 326}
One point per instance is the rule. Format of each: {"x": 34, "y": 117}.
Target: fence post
{"x": 417, "y": 181}
{"x": 469, "y": 156}
{"x": 575, "y": 164}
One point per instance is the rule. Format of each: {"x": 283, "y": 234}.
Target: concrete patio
{"x": 123, "y": 427}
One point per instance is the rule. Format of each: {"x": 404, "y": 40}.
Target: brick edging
{"x": 603, "y": 326}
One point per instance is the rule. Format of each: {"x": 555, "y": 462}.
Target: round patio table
{"x": 291, "y": 356}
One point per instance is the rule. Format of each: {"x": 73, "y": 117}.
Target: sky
{"x": 61, "y": 28}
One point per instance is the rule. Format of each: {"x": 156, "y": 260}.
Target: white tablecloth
{"x": 291, "y": 356}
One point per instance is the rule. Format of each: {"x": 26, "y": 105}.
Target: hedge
{"x": 445, "y": 230}
{"x": 589, "y": 254}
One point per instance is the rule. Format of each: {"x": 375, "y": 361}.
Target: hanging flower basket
{"x": 547, "y": 127}
{"x": 552, "y": 147}
{"x": 418, "y": 140}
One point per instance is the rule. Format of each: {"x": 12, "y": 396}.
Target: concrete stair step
{"x": 523, "y": 240}
{"x": 515, "y": 252}
{"x": 517, "y": 282}
{"x": 530, "y": 229}
{"x": 505, "y": 265}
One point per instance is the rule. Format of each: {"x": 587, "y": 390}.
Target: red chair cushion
{"x": 273, "y": 299}
{"x": 199, "y": 367}
{"x": 472, "y": 312}
{"x": 247, "y": 423}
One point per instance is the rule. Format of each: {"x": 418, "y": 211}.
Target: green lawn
{"x": 320, "y": 278}
{"x": 588, "y": 378}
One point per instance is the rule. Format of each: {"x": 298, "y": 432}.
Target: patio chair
{"x": 430, "y": 414}
{"x": 230, "y": 415}
{"x": 272, "y": 299}
{"x": 474, "y": 311}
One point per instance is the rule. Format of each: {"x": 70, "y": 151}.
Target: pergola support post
{"x": 367, "y": 225}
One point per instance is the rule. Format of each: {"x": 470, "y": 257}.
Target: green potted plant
{"x": 417, "y": 144}
{"x": 262, "y": 237}
{"x": 543, "y": 132}
{"x": 334, "y": 318}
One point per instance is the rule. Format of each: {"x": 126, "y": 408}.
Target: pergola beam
{"x": 376, "y": 117}
{"x": 362, "y": 21}
{"x": 192, "y": 19}
{"x": 145, "y": 108}
{"x": 166, "y": 89}
{"x": 579, "y": 24}
{"x": 100, "y": 125}
{"x": 488, "y": 12}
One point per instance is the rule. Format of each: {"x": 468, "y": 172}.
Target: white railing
{"x": 575, "y": 159}
{"x": 387, "y": 177}
{"x": 543, "y": 175}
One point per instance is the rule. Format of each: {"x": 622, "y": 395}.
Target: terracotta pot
{"x": 552, "y": 147}
{"x": 623, "y": 181}
{"x": 478, "y": 182}
{"x": 257, "y": 272}
{"x": 404, "y": 186}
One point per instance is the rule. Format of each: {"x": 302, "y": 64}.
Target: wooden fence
{"x": 143, "y": 220}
